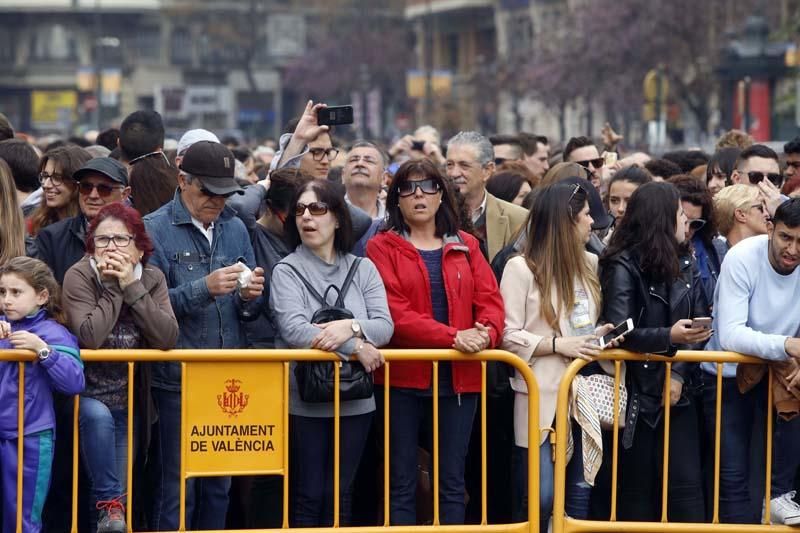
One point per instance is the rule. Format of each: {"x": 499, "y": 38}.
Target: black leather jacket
{"x": 654, "y": 308}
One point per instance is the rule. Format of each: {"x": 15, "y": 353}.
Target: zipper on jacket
{"x": 459, "y": 399}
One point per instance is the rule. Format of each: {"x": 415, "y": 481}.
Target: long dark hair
{"x": 447, "y": 220}
{"x": 694, "y": 191}
{"x": 648, "y": 231}
{"x": 326, "y": 192}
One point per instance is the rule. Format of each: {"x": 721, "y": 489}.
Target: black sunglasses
{"x": 427, "y": 186}
{"x": 756, "y": 177}
{"x": 596, "y": 163}
{"x": 315, "y": 208}
{"x": 499, "y": 160}
{"x": 696, "y": 224}
{"x": 103, "y": 189}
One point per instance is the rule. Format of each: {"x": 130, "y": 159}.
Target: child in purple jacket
{"x": 30, "y": 319}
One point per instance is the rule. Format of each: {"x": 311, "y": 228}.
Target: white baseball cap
{"x": 193, "y": 136}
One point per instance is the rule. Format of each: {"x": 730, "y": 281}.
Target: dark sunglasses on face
{"x": 756, "y": 177}
{"x": 315, "y": 208}
{"x": 499, "y": 160}
{"x": 596, "y": 163}
{"x": 319, "y": 153}
{"x": 427, "y": 186}
{"x": 103, "y": 189}
{"x": 696, "y": 224}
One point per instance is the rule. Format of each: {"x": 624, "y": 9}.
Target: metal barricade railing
{"x": 564, "y": 524}
{"x": 285, "y": 357}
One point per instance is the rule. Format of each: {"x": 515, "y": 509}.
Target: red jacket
{"x": 472, "y": 296}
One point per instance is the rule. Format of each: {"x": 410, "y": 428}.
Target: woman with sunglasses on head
{"x": 60, "y": 198}
{"x": 552, "y": 301}
{"x": 442, "y": 294}
{"x": 115, "y": 300}
{"x": 318, "y": 228}
{"x": 646, "y": 277}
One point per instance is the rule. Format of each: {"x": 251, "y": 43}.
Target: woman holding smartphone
{"x": 552, "y": 300}
{"x": 645, "y": 277}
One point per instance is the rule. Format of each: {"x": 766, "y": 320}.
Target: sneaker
{"x": 784, "y": 510}
{"x": 112, "y": 516}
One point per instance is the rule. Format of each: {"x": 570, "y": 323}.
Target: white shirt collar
{"x": 481, "y": 209}
{"x": 207, "y": 232}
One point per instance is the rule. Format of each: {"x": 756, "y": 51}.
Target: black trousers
{"x": 641, "y": 469}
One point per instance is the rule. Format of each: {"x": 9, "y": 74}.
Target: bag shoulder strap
{"x": 348, "y": 281}
{"x": 308, "y": 285}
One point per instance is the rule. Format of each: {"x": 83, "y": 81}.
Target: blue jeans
{"x": 312, "y": 467}
{"x": 410, "y": 412}
{"x": 736, "y": 504}
{"x": 104, "y": 449}
{"x": 206, "y": 498}
{"x": 578, "y": 492}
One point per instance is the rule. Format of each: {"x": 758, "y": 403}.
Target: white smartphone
{"x": 621, "y": 329}
{"x": 701, "y": 322}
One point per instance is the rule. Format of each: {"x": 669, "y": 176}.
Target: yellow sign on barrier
{"x": 234, "y": 418}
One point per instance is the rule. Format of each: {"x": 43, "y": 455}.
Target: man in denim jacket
{"x": 199, "y": 244}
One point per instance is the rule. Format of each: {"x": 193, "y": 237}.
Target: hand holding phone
{"x": 619, "y": 330}
{"x": 701, "y": 322}
{"x": 335, "y": 115}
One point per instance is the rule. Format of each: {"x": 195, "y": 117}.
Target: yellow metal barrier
{"x": 187, "y": 357}
{"x": 564, "y": 524}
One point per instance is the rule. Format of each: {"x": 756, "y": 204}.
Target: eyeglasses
{"x": 596, "y": 163}
{"x": 500, "y": 160}
{"x": 319, "y": 153}
{"x": 427, "y": 186}
{"x": 571, "y": 196}
{"x": 793, "y": 164}
{"x": 696, "y": 224}
{"x": 55, "y": 179}
{"x": 756, "y": 177}
{"x": 157, "y": 152}
{"x": 315, "y": 208}
{"x": 103, "y": 189}
{"x": 102, "y": 241}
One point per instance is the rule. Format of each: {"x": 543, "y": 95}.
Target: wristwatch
{"x": 44, "y": 353}
{"x": 356, "y": 327}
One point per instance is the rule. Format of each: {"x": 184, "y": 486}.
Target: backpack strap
{"x": 348, "y": 281}
{"x": 311, "y": 289}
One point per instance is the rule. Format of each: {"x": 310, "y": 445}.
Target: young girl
{"x": 30, "y": 319}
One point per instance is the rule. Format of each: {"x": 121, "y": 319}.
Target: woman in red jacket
{"x": 442, "y": 294}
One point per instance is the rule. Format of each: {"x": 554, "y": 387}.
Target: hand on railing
{"x": 332, "y": 335}
{"x": 472, "y": 340}
{"x": 682, "y": 332}
{"x": 5, "y": 329}
{"x": 370, "y": 357}
{"x": 583, "y": 347}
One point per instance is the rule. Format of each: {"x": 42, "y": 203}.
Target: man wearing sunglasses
{"x": 757, "y": 163}
{"x": 506, "y": 148}
{"x": 101, "y": 181}
{"x": 201, "y": 247}
{"x": 582, "y": 150}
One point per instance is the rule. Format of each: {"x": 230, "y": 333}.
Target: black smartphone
{"x": 335, "y": 115}
{"x": 417, "y": 145}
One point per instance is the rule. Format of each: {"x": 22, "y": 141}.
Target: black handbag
{"x": 315, "y": 380}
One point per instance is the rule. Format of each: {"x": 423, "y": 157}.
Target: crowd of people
{"x": 508, "y": 241}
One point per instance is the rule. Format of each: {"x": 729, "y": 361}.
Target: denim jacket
{"x": 183, "y": 253}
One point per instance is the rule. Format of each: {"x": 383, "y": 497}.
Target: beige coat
{"x": 502, "y": 221}
{"x": 524, "y": 329}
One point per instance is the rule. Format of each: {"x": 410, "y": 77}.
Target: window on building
{"x": 181, "y": 47}
{"x": 146, "y": 43}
